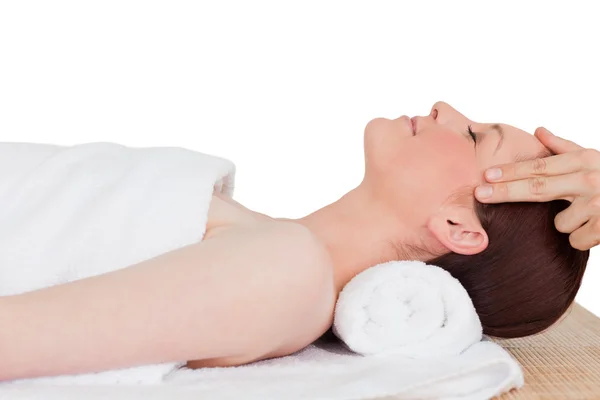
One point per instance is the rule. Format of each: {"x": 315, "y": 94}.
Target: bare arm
{"x": 243, "y": 293}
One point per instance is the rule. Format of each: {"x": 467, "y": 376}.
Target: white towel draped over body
{"x": 68, "y": 212}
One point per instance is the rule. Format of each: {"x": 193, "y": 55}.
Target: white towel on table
{"x": 321, "y": 371}
{"x": 71, "y": 212}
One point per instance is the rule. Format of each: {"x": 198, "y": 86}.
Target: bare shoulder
{"x": 297, "y": 292}
{"x": 316, "y": 303}
{"x": 305, "y": 272}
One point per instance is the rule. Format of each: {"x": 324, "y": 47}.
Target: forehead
{"x": 517, "y": 142}
{"x": 521, "y": 141}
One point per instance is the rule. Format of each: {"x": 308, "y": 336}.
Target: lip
{"x": 413, "y": 122}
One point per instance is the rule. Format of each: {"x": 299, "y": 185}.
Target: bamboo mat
{"x": 561, "y": 363}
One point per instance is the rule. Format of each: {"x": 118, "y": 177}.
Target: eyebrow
{"x": 500, "y": 131}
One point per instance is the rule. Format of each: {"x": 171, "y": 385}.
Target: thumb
{"x": 555, "y": 143}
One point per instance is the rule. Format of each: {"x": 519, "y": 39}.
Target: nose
{"x": 444, "y": 114}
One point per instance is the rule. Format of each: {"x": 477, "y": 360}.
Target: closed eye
{"x": 473, "y": 135}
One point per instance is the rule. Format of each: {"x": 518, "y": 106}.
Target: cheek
{"x": 438, "y": 165}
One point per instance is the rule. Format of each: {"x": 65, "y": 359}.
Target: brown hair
{"x": 529, "y": 274}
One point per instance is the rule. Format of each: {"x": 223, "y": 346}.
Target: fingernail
{"x": 548, "y": 132}
{"x": 484, "y": 191}
{"x": 494, "y": 173}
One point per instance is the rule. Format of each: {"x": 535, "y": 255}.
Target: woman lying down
{"x": 257, "y": 287}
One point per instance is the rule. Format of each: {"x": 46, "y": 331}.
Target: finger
{"x": 555, "y": 143}
{"x": 587, "y": 236}
{"x": 546, "y": 188}
{"x": 577, "y": 214}
{"x": 554, "y": 165}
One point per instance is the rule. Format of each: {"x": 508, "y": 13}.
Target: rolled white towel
{"x": 406, "y": 308}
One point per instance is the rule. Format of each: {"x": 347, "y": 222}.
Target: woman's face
{"x": 421, "y": 170}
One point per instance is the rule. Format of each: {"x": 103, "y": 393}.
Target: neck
{"x": 358, "y": 234}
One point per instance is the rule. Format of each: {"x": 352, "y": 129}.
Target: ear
{"x": 458, "y": 229}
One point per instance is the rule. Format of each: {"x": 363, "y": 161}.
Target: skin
{"x": 274, "y": 280}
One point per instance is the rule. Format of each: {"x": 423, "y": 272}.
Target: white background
{"x": 284, "y": 89}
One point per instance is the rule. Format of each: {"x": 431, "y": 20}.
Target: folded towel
{"x": 321, "y": 371}
{"x": 407, "y": 308}
{"x": 72, "y": 212}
